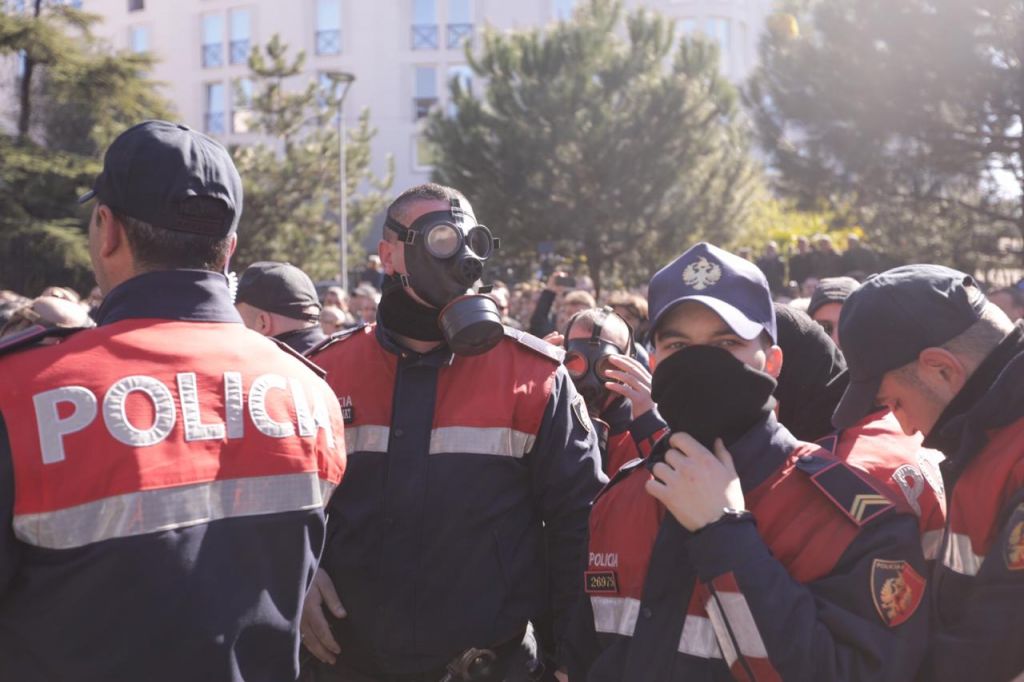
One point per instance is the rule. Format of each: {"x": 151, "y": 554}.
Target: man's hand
{"x": 694, "y": 484}
{"x": 553, "y": 284}
{"x": 561, "y": 676}
{"x": 555, "y": 339}
{"x": 633, "y": 381}
{"x": 313, "y": 627}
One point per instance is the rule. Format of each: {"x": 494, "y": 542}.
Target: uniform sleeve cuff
{"x": 724, "y": 547}
{"x": 646, "y": 426}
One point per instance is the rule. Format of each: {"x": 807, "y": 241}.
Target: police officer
{"x": 736, "y": 551}
{"x": 473, "y": 463}
{"x": 162, "y": 476}
{"x": 924, "y": 341}
{"x": 601, "y": 360}
{"x": 279, "y": 300}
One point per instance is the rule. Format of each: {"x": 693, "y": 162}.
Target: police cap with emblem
{"x": 733, "y": 287}
{"x": 171, "y": 177}
{"x": 891, "y": 318}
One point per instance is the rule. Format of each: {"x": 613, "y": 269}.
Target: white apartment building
{"x": 402, "y": 52}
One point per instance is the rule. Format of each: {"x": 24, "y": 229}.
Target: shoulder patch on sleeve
{"x": 897, "y": 590}
{"x": 316, "y": 369}
{"x": 337, "y": 337}
{"x": 32, "y": 335}
{"x": 859, "y": 499}
{"x": 539, "y": 346}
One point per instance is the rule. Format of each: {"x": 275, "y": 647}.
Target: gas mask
{"x": 445, "y": 258}
{"x": 588, "y": 359}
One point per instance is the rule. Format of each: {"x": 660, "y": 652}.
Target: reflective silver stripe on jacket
{"x": 153, "y": 511}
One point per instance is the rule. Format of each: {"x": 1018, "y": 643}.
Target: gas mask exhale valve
{"x": 444, "y": 259}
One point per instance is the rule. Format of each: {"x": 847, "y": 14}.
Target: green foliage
{"x": 780, "y": 221}
{"x": 292, "y": 186}
{"x": 906, "y": 115}
{"x": 80, "y": 97}
{"x": 621, "y": 149}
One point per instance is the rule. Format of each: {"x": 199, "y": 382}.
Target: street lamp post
{"x": 344, "y": 80}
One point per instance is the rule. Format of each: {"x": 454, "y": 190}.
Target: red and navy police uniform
{"x": 824, "y": 582}
{"x": 877, "y": 445}
{"x": 978, "y": 586}
{"x": 623, "y": 438}
{"x": 463, "y": 513}
{"x": 162, "y": 487}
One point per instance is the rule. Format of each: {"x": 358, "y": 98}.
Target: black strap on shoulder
{"x": 32, "y": 335}
{"x": 539, "y": 346}
{"x": 334, "y": 338}
{"x": 857, "y": 497}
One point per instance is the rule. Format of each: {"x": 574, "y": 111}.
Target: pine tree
{"x": 292, "y": 181}
{"x": 907, "y": 112}
{"x": 603, "y": 134}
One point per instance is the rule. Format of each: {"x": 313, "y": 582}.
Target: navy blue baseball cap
{"x": 172, "y": 177}
{"x": 891, "y": 318}
{"x": 733, "y": 287}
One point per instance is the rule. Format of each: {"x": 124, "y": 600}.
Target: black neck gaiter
{"x": 709, "y": 394}
{"x": 400, "y": 314}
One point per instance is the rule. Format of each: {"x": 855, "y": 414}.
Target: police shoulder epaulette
{"x": 337, "y": 337}
{"x": 857, "y": 497}
{"x": 539, "y": 346}
{"x": 319, "y": 371}
{"x": 32, "y": 335}
{"x": 829, "y": 442}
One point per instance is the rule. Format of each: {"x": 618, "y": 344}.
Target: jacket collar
{"x": 440, "y": 356}
{"x": 761, "y": 451}
{"x": 190, "y": 295}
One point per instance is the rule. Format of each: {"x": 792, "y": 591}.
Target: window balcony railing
{"x": 422, "y": 106}
{"x": 328, "y": 42}
{"x": 458, "y": 34}
{"x": 239, "y": 51}
{"x": 213, "y": 55}
{"x": 215, "y": 122}
{"x": 424, "y": 37}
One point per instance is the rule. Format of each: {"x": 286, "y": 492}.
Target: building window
{"x": 213, "y": 41}
{"x": 215, "y": 123}
{"x": 241, "y": 108}
{"x": 240, "y": 25}
{"x": 424, "y": 25}
{"x": 460, "y": 24}
{"x": 328, "y": 27}
{"x": 464, "y": 75}
{"x": 138, "y": 39}
{"x": 424, "y": 154}
{"x": 717, "y": 29}
{"x": 425, "y": 97}
{"x": 136, "y": 5}
{"x": 564, "y": 9}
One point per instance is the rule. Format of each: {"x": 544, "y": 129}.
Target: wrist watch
{"x": 729, "y": 515}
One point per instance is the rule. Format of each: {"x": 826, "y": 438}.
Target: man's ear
{"x": 943, "y": 367}
{"x": 110, "y": 232}
{"x": 773, "y": 361}
{"x": 386, "y": 251}
{"x": 265, "y": 323}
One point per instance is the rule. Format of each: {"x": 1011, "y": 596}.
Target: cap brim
{"x": 858, "y": 401}
{"x": 88, "y": 196}
{"x": 737, "y": 321}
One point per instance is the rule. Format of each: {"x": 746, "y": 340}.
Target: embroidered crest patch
{"x": 702, "y": 274}
{"x": 1015, "y": 542}
{"x": 579, "y": 409}
{"x": 897, "y": 590}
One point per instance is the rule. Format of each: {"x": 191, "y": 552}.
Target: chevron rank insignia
{"x": 856, "y": 497}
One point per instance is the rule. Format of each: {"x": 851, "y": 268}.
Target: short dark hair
{"x": 155, "y": 248}
{"x": 430, "y": 191}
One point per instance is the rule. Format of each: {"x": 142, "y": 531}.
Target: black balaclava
{"x": 399, "y": 313}
{"x": 709, "y": 394}
{"x": 813, "y": 375}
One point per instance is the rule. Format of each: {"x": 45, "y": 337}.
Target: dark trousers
{"x": 519, "y": 664}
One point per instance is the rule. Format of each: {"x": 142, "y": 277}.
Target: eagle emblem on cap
{"x": 701, "y": 274}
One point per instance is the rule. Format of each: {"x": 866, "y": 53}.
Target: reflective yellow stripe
{"x": 618, "y": 616}
{"x": 366, "y": 438}
{"x": 473, "y": 440}
{"x": 153, "y": 511}
{"x": 931, "y": 544}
